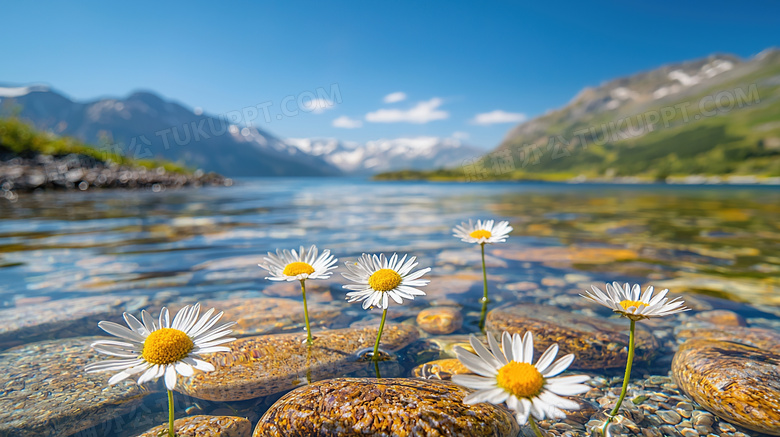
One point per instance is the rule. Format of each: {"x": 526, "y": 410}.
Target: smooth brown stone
{"x": 440, "y": 320}
{"x": 766, "y": 339}
{"x": 596, "y": 342}
{"x": 44, "y": 390}
{"x": 721, "y": 318}
{"x": 383, "y": 407}
{"x": 268, "y": 364}
{"x": 440, "y": 369}
{"x": 267, "y": 315}
{"x": 205, "y": 426}
{"x": 736, "y": 382}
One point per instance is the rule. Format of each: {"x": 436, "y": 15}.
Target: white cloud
{"x": 347, "y": 123}
{"x": 498, "y": 116}
{"x": 317, "y": 106}
{"x": 395, "y": 97}
{"x": 459, "y": 135}
{"x": 422, "y": 112}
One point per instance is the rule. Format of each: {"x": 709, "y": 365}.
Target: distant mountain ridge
{"x": 143, "y": 125}
{"x": 418, "y": 153}
{"x": 714, "y": 116}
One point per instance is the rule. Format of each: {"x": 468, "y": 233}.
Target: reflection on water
{"x": 101, "y": 251}
{"x": 74, "y": 244}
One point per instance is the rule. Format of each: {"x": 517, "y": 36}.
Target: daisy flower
{"x": 630, "y": 302}
{"x": 289, "y": 265}
{"x": 506, "y": 373}
{"x": 161, "y": 348}
{"x": 482, "y": 233}
{"x": 378, "y": 279}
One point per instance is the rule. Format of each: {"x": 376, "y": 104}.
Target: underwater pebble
{"x": 268, "y": 315}
{"x": 597, "y": 343}
{"x": 440, "y": 320}
{"x": 44, "y": 390}
{"x": 440, "y": 369}
{"x": 268, "y": 364}
{"x": 205, "y": 426}
{"x": 736, "y": 382}
{"x": 721, "y": 318}
{"x": 758, "y": 337}
{"x": 383, "y": 407}
{"x": 62, "y": 318}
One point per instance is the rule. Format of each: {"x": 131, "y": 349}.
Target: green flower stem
{"x": 375, "y": 356}
{"x": 534, "y": 427}
{"x": 376, "y": 369}
{"x": 625, "y": 378}
{"x": 309, "y": 340}
{"x": 483, "y": 316}
{"x": 171, "y": 432}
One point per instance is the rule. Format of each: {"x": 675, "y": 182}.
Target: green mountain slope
{"x": 718, "y": 116}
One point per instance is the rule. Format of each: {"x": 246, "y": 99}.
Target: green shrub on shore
{"x": 17, "y": 138}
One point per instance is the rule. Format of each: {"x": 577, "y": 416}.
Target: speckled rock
{"x": 270, "y": 315}
{"x": 205, "y": 426}
{"x": 440, "y": 320}
{"x": 383, "y": 407}
{"x": 736, "y": 382}
{"x": 597, "y": 342}
{"x": 440, "y": 369}
{"x": 721, "y": 318}
{"x": 268, "y": 364}
{"x": 61, "y": 318}
{"x": 44, "y": 390}
{"x": 766, "y": 339}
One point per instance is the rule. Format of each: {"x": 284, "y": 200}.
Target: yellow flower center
{"x": 480, "y": 233}
{"x": 384, "y": 280}
{"x": 520, "y": 379}
{"x": 166, "y": 346}
{"x": 297, "y": 268}
{"x": 626, "y": 304}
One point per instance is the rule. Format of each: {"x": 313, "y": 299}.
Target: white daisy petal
{"x": 170, "y": 377}
{"x": 184, "y": 369}
{"x": 547, "y": 358}
{"x": 474, "y": 382}
{"x": 142, "y": 334}
{"x": 360, "y": 272}
{"x": 509, "y": 363}
{"x": 474, "y": 363}
{"x": 118, "y": 330}
{"x": 559, "y": 366}
{"x": 629, "y": 300}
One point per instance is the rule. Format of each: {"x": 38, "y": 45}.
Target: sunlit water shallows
{"x": 719, "y": 246}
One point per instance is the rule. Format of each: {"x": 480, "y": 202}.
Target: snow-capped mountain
{"x": 143, "y": 125}
{"x": 416, "y": 153}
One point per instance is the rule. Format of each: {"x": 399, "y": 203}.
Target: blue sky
{"x": 451, "y": 61}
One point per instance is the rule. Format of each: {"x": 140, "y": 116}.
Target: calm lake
{"x": 717, "y": 246}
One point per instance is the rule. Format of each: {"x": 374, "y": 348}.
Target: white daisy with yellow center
{"x": 289, "y": 265}
{"x": 378, "y": 279}
{"x": 156, "y": 348}
{"x": 509, "y": 375}
{"x": 482, "y": 232}
{"x": 629, "y": 301}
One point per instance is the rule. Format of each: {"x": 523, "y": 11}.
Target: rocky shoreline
{"x": 80, "y": 172}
